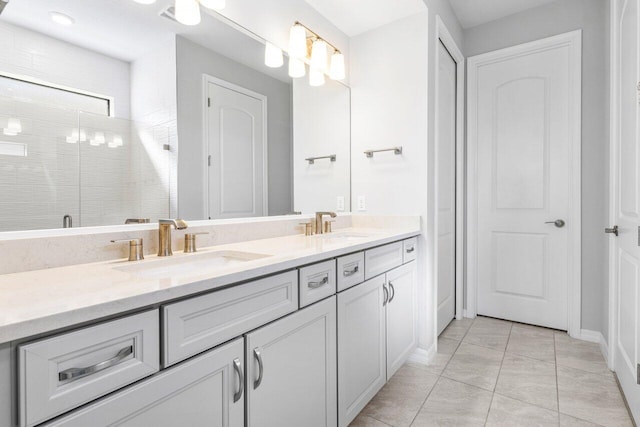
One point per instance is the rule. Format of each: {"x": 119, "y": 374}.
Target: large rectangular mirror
{"x": 113, "y": 112}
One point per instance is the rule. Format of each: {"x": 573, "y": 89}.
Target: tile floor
{"x": 491, "y": 372}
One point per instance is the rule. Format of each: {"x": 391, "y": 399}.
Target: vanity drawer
{"x": 200, "y": 323}
{"x": 63, "y": 372}
{"x": 350, "y": 270}
{"x": 317, "y": 282}
{"x": 382, "y": 259}
{"x": 410, "y": 250}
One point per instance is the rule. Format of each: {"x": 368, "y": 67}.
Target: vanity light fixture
{"x": 306, "y": 45}
{"x": 14, "y": 127}
{"x": 187, "y": 12}
{"x": 217, "y": 5}
{"x": 61, "y": 18}
{"x": 273, "y": 57}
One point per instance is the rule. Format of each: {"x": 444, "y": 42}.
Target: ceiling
{"x": 354, "y": 17}
{"x": 475, "y": 12}
{"x": 127, "y": 30}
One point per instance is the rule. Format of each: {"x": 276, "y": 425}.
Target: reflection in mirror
{"x": 127, "y": 114}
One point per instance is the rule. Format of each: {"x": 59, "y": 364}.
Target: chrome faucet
{"x": 319, "y": 216}
{"x": 164, "y": 234}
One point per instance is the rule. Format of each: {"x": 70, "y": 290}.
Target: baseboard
{"x": 598, "y": 338}
{"x": 423, "y": 356}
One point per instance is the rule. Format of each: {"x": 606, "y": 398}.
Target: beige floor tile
{"x": 591, "y": 397}
{"x": 454, "y": 404}
{"x": 529, "y": 380}
{"x": 474, "y": 365}
{"x": 579, "y": 354}
{"x": 402, "y": 397}
{"x": 457, "y": 329}
{"x": 568, "y": 421}
{"x": 509, "y": 412}
{"x": 490, "y": 333}
{"x": 533, "y": 342}
{"x": 446, "y": 348}
{"x": 364, "y": 421}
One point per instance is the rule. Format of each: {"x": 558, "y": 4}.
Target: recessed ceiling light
{"x": 145, "y": 1}
{"x": 61, "y": 18}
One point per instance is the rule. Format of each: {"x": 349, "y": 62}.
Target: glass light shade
{"x": 296, "y": 68}
{"x": 14, "y": 125}
{"x": 9, "y": 132}
{"x": 316, "y": 77}
{"x": 117, "y": 140}
{"x": 98, "y": 139}
{"x": 337, "y": 69}
{"x": 298, "y": 42}
{"x": 319, "y": 55}
{"x": 273, "y": 57}
{"x": 187, "y": 12}
{"x": 75, "y": 136}
{"x": 214, "y": 4}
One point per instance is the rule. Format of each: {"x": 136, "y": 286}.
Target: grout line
{"x": 493, "y": 394}
{"x": 555, "y": 359}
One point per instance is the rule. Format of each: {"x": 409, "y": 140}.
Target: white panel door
{"x": 525, "y": 119}
{"x": 291, "y": 370}
{"x": 627, "y": 209}
{"x": 446, "y": 164}
{"x": 362, "y": 364}
{"x": 402, "y": 337}
{"x": 236, "y": 142}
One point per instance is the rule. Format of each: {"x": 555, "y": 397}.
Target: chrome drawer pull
{"x": 316, "y": 285}
{"x": 258, "y": 356}
{"x": 348, "y": 273}
{"x": 411, "y": 249}
{"x": 76, "y": 373}
{"x": 238, "y": 369}
{"x": 386, "y": 295}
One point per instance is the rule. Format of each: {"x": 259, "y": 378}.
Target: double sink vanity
{"x": 287, "y": 331}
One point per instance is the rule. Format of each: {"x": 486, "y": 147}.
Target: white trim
{"x": 597, "y": 338}
{"x": 572, "y": 39}
{"x": 614, "y": 123}
{"x": 443, "y": 35}
{"x": 422, "y": 356}
{"x": 206, "y": 79}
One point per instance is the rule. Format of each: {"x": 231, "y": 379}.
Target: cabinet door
{"x": 362, "y": 365}
{"x": 204, "y": 391}
{"x": 291, "y": 370}
{"x": 401, "y": 316}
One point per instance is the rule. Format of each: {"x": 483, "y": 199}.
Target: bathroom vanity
{"x": 288, "y": 331}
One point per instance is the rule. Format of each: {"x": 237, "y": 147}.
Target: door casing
{"x": 573, "y": 40}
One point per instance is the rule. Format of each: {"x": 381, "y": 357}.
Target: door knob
{"x": 558, "y": 223}
{"x": 612, "y": 230}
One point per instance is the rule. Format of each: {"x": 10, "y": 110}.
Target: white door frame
{"x": 443, "y": 35}
{"x": 573, "y": 40}
{"x": 206, "y": 79}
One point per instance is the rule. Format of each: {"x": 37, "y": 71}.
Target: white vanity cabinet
{"x": 204, "y": 391}
{"x": 291, "y": 370}
{"x": 376, "y": 335}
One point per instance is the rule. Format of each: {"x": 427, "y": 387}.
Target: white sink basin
{"x": 343, "y": 236}
{"x": 189, "y": 264}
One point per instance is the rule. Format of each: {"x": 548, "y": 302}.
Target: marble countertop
{"x": 41, "y": 301}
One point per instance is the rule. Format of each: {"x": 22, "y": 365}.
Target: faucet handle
{"x": 327, "y": 226}
{"x": 136, "y": 249}
{"x": 190, "y": 241}
{"x": 308, "y": 228}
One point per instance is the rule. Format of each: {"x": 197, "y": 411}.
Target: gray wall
{"x": 592, "y": 16}
{"x": 193, "y": 61}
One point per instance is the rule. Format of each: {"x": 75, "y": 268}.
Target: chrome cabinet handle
{"x": 411, "y": 249}
{"x": 238, "y": 369}
{"x": 393, "y": 292}
{"x": 386, "y": 294}
{"x": 77, "y": 373}
{"x": 558, "y": 223}
{"x": 258, "y": 355}
{"x": 349, "y": 273}
{"x": 318, "y": 284}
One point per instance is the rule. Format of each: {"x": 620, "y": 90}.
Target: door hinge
{"x": 208, "y": 102}
{"x": 209, "y": 160}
